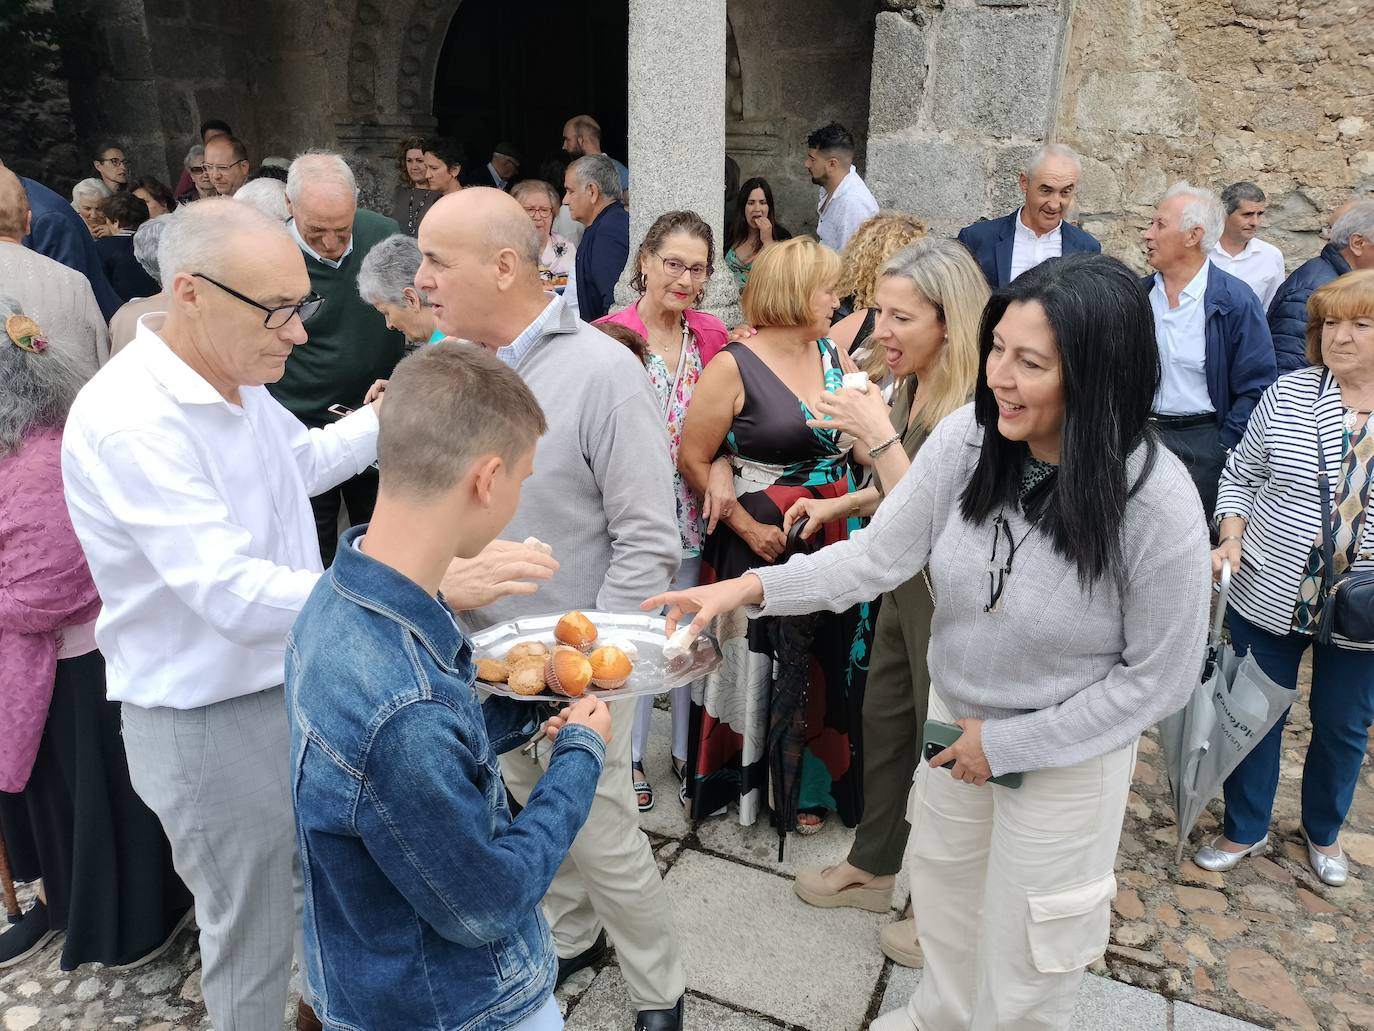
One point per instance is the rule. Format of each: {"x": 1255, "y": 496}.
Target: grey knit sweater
{"x": 602, "y": 489}
{"x": 1059, "y": 674}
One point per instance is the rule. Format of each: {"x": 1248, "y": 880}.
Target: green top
{"x": 349, "y": 345}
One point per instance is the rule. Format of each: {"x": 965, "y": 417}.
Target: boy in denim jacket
{"x": 421, "y": 892}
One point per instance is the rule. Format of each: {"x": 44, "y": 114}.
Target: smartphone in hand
{"x": 339, "y": 410}
{"x": 939, "y": 736}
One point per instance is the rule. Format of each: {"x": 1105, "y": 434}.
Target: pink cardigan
{"x": 44, "y": 586}
{"x": 709, "y": 331}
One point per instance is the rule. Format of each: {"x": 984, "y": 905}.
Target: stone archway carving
{"x": 393, "y": 54}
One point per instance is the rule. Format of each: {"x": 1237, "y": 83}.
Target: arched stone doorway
{"x": 517, "y": 72}
{"x": 483, "y": 70}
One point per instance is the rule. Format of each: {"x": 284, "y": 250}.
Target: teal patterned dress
{"x": 778, "y": 459}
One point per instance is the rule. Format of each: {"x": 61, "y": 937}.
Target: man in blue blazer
{"x": 1215, "y": 353}
{"x": 57, "y": 232}
{"x": 1005, "y": 247}
{"x": 593, "y": 195}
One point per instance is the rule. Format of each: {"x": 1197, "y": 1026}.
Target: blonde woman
{"x": 758, "y": 401}
{"x": 928, "y": 300}
{"x": 868, "y": 249}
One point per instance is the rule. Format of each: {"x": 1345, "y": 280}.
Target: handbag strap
{"x": 1326, "y": 625}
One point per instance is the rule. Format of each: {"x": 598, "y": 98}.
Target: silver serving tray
{"x": 652, "y": 673}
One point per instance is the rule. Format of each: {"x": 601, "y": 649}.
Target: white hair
{"x": 200, "y": 236}
{"x": 389, "y": 268}
{"x": 1358, "y": 221}
{"x": 195, "y": 156}
{"x": 147, "y": 239}
{"x": 89, "y": 188}
{"x": 321, "y": 167}
{"x": 1053, "y": 150}
{"x": 601, "y": 170}
{"x": 1203, "y": 210}
{"x": 267, "y": 195}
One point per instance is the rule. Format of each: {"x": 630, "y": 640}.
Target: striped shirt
{"x": 1271, "y": 480}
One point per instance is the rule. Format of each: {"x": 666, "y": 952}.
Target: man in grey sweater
{"x": 602, "y": 495}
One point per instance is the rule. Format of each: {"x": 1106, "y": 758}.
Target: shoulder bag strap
{"x": 1324, "y": 628}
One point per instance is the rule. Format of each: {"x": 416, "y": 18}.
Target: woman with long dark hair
{"x": 1068, "y": 557}
{"x": 753, "y": 226}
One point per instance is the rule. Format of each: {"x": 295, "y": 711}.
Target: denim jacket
{"x": 421, "y": 893}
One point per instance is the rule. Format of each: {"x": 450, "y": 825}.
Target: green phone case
{"x": 945, "y": 734}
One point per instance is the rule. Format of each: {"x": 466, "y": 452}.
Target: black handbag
{"x": 1348, "y": 608}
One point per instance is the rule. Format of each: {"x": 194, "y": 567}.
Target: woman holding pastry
{"x": 673, "y": 265}
{"x": 754, "y": 402}
{"x": 928, "y": 300}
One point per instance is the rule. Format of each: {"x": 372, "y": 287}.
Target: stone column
{"x": 677, "y": 127}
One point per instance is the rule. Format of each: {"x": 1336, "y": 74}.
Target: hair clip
{"x": 25, "y": 334}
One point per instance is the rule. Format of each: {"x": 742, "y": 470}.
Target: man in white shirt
{"x": 1006, "y": 247}
{"x": 1240, "y": 251}
{"x": 844, "y": 201}
{"x": 189, "y": 489}
{"x": 1215, "y": 353}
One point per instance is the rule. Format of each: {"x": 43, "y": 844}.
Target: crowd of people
{"x": 951, "y": 509}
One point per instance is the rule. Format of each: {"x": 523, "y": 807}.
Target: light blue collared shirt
{"x": 514, "y": 353}
{"x": 300, "y": 241}
{"x": 1182, "y": 336}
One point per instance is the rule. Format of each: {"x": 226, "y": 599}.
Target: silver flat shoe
{"x": 1330, "y": 870}
{"x": 1209, "y": 857}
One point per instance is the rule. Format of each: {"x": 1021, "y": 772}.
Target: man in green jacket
{"x": 349, "y": 346}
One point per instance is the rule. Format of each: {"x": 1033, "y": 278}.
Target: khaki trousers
{"x": 610, "y": 877}
{"x": 1012, "y": 889}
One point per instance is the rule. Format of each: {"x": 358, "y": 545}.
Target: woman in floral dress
{"x": 674, "y": 263}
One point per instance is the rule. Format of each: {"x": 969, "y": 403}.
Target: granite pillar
{"x": 677, "y": 128}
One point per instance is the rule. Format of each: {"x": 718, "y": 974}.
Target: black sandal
{"x": 644, "y": 791}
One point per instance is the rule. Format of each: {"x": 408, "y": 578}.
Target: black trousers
{"x": 358, "y": 496}
{"x": 1195, "y": 440}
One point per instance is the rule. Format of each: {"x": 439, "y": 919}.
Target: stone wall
{"x": 794, "y": 66}
{"x": 963, "y": 92}
{"x": 1274, "y": 91}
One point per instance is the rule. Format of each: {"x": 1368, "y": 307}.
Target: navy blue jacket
{"x": 991, "y": 241}
{"x": 421, "y": 891}
{"x": 601, "y": 257}
{"x": 1240, "y": 353}
{"x": 59, "y": 233}
{"x": 1288, "y": 309}
{"x": 127, "y": 277}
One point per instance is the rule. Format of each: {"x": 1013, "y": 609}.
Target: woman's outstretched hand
{"x": 707, "y": 602}
{"x": 861, "y": 413}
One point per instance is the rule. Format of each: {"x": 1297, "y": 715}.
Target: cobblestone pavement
{"x": 1266, "y": 943}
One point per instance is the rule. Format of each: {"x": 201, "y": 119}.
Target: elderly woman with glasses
{"x": 386, "y": 280}
{"x": 672, "y": 267}
{"x": 1068, "y": 558}
{"x": 1311, "y": 427}
{"x": 68, "y": 813}
{"x": 557, "y": 253}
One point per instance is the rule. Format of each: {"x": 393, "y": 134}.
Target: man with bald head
{"x": 226, "y": 159}
{"x": 602, "y": 495}
{"x": 581, "y": 137}
{"x": 1005, "y": 247}
{"x": 57, "y": 297}
{"x": 350, "y": 344}
{"x": 189, "y": 486}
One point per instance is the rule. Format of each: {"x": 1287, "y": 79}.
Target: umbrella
{"x": 1234, "y": 705}
{"x": 791, "y": 638}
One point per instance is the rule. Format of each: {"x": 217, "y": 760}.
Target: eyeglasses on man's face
{"x": 222, "y": 169}
{"x": 675, "y": 268}
{"x": 276, "y": 317}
